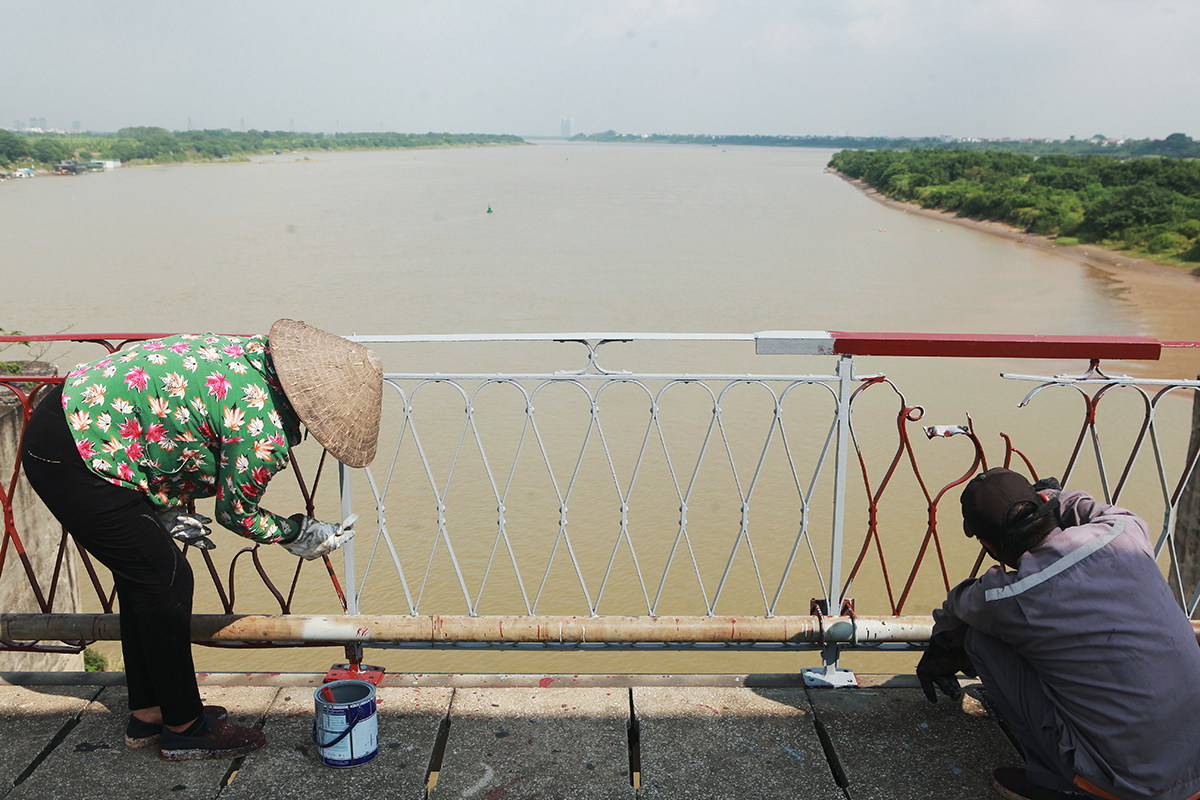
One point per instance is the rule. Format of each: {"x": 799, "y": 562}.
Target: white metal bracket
{"x": 830, "y": 677}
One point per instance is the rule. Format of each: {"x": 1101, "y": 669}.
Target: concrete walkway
{"x": 514, "y": 737}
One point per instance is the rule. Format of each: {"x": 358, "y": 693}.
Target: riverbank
{"x": 1090, "y": 254}
{"x": 1158, "y": 299}
{"x": 249, "y": 157}
{"x": 158, "y": 146}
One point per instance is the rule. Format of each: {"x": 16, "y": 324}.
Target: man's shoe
{"x": 140, "y": 734}
{"x": 209, "y": 738}
{"x": 1011, "y": 783}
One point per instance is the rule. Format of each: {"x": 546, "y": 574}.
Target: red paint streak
{"x": 958, "y": 345}
{"x": 546, "y": 681}
{"x": 710, "y": 708}
{"x": 501, "y": 791}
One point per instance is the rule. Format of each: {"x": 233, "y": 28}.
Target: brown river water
{"x": 582, "y": 237}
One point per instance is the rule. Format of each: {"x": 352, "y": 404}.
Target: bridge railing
{"x": 523, "y": 501}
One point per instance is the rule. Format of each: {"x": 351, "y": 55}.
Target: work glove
{"x": 188, "y": 527}
{"x": 938, "y": 667}
{"x": 1046, "y": 484}
{"x": 319, "y": 538}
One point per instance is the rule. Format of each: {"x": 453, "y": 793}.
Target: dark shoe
{"x": 1011, "y": 783}
{"x": 143, "y": 734}
{"x": 210, "y": 738}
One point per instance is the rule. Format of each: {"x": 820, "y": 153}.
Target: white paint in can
{"x": 346, "y": 728}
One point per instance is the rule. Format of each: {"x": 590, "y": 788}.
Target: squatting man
{"x": 1080, "y": 644}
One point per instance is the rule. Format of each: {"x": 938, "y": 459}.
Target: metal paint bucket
{"x": 346, "y": 728}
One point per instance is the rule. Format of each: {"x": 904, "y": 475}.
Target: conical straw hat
{"x": 335, "y": 386}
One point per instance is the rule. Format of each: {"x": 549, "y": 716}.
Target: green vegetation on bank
{"x": 1149, "y": 206}
{"x": 158, "y": 145}
{"x": 10, "y": 367}
{"x": 1177, "y": 145}
{"x": 94, "y": 661}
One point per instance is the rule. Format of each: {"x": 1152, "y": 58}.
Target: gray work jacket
{"x": 1091, "y": 613}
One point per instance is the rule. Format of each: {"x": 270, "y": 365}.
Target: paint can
{"x": 346, "y": 728}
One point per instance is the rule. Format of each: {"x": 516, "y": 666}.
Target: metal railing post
{"x": 348, "y": 547}
{"x": 845, "y": 372}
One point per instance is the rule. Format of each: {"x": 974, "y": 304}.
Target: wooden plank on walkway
{"x": 93, "y": 760}
{"x": 709, "y": 743}
{"x": 287, "y": 768}
{"x": 893, "y": 744}
{"x": 29, "y": 719}
{"x": 549, "y": 743}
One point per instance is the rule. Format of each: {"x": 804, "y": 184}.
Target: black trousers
{"x": 119, "y": 528}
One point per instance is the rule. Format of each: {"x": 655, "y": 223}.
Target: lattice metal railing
{"x": 520, "y": 506}
{"x": 562, "y": 481}
{"x": 1151, "y": 395}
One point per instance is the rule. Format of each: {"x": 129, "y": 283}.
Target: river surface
{"x": 579, "y": 237}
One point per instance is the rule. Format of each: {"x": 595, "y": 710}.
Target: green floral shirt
{"x": 195, "y": 415}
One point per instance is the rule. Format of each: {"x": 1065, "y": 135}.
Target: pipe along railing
{"x": 624, "y": 566}
{"x": 365, "y": 630}
{"x": 432, "y": 630}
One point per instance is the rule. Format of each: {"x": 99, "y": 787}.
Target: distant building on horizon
{"x": 564, "y": 127}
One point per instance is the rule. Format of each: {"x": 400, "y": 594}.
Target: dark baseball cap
{"x": 988, "y": 498}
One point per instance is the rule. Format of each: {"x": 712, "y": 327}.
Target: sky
{"x": 996, "y": 68}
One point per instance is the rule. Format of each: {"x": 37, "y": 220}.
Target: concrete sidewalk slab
{"x": 94, "y": 754}
{"x": 712, "y": 743}
{"x": 547, "y": 743}
{"x": 894, "y": 745}
{"x": 30, "y": 718}
{"x": 697, "y": 737}
{"x": 408, "y": 719}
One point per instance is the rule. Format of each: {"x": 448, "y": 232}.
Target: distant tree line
{"x": 1177, "y": 145}
{"x": 162, "y": 146}
{"x": 1150, "y": 205}
{"x": 832, "y": 142}
{"x": 40, "y": 149}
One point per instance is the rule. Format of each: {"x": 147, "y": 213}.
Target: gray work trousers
{"x": 1017, "y": 690}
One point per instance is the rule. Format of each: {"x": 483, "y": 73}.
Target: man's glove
{"x": 1046, "y": 483}
{"x": 319, "y": 538}
{"x": 937, "y": 668}
{"x": 188, "y": 527}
